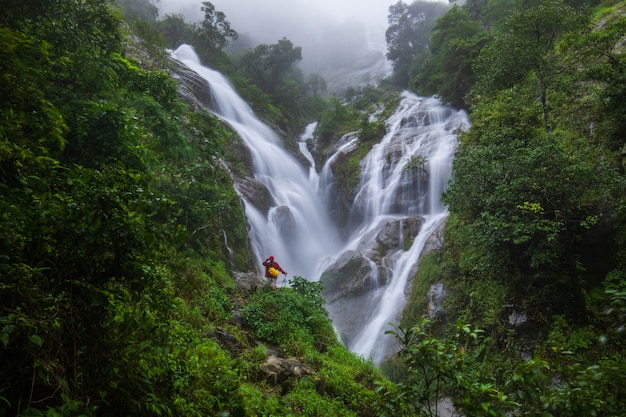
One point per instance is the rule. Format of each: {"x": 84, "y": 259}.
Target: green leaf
{"x": 36, "y": 339}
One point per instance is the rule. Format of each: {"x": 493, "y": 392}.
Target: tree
{"x": 175, "y": 30}
{"x": 316, "y": 84}
{"x": 436, "y": 367}
{"x": 268, "y": 65}
{"x": 525, "y": 49}
{"x": 212, "y": 36}
{"x": 455, "y": 43}
{"x": 215, "y": 30}
{"x": 407, "y": 35}
{"x": 607, "y": 65}
{"x": 531, "y": 195}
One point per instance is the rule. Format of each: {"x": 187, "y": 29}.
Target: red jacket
{"x": 268, "y": 263}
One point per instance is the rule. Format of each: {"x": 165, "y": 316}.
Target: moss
{"x": 428, "y": 273}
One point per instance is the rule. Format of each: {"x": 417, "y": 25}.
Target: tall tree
{"x": 526, "y": 48}
{"x": 213, "y": 34}
{"x": 455, "y": 43}
{"x": 407, "y": 35}
{"x": 268, "y": 65}
{"x": 316, "y": 84}
{"x": 175, "y": 30}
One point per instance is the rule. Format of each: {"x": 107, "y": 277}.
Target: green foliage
{"x": 272, "y": 68}
{"x": 538, "y": 212}
{"x": 371, "y": 131}
{"x": 407, "y": 35}
{"x": 292, "y": 318}
{"x": 525, "y": 49}
{"x": 436, "y": 367}
{"x": 215, "y": 29}
{"x": 335, "y": 120}
{"x": 268, "y": 65}
{"x": 455, "y": 42}
{"x": 580, "y": 390}
{"x": 107, "y": 293}
{"x": 428, "y": 273}
{"x": 175, "y": 30}
{"x": 535, "y": 192}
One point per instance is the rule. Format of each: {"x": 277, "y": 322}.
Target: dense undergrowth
{"x": 117, "y": 294}
{"x": 533, "y": 252}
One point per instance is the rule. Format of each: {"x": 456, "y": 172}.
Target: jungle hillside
{"x": 127, "y": 280}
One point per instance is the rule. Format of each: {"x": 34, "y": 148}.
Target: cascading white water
{"x": 295, "y": 231}
{"x": 402, "y": 177}
{"x": 421, "y": 134}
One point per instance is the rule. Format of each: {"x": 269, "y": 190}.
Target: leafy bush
{"x": 292, "y": 318}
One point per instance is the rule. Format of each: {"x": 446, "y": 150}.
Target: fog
{"x": 336, "y": 36}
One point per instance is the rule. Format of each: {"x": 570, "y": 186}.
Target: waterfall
{"x": 296, "y": 230}
{"x": 401, "y": 182}
{"x": 402, "y": 179}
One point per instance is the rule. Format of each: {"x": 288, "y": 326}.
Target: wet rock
{"x": 226, "y": 340}
{"x": 256, "y": 193}
{"x": 392, "y": 236}
{"x": 249, "y": 281}
{"x": 277, "y": 371}
{"x": 435, "y": 297}
{"x": 347, "y": 285}
{"x": 351, "y": 275}
{"x": 194, "y": 89}
{"x": 284, "y": 221}
{"x": 434, "y": 241}
{"x": 517, "y": 319}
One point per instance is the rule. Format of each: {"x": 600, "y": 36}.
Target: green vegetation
{"x": 537, "y": 212}
{"x": 266, "y": 76}
{"x": 117, "y": 296}
{"x": 407, "y": 36}
{"x": 120, "y": 229}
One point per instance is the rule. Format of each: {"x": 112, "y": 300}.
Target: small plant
{"x": 416, "y": 163}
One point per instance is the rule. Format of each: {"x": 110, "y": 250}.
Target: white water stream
{"x": 420, "y": 130}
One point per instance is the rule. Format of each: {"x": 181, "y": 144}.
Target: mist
{"x": 337, "y": 37}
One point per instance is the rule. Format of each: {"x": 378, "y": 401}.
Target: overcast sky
{"x": 274, "y": 15}
{"x": 325, "y": 29}
{"x": 335, "y": 35}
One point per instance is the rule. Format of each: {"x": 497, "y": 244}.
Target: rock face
{"x": 435, "y": 296}
{"x": 192, "y": 87}
{"x": 357, "y": 274}
{"x": 256, "y": 193}
{"x": 249, "y": 281}
{"x": 284, "y": 220}
{"x": 350, "y": 283}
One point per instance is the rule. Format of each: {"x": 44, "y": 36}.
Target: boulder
{"x": 249, "y": 281}
{"x": 278, "y": 371}
{"x": 392, "y": 236}
{"x": 255, "y": 193}
{"x": 351, "y": 275}
{"x": 284, "y": 221}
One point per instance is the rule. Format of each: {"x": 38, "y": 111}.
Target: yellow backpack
{"x": 273, "y": 272}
